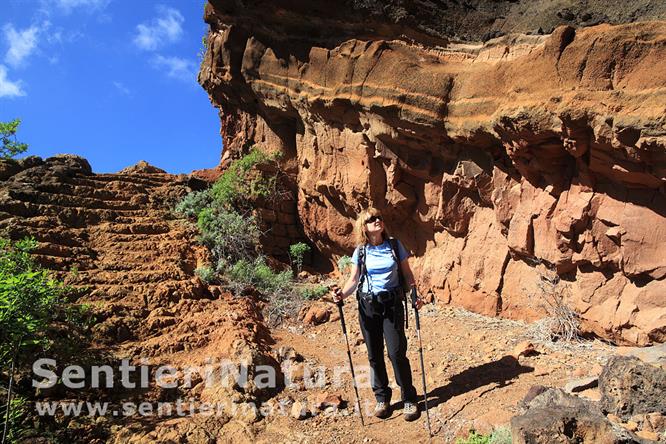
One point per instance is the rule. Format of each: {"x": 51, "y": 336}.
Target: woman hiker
{"x": 378, "y": 262}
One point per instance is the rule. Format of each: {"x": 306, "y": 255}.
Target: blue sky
{"x": 111, "y": 80}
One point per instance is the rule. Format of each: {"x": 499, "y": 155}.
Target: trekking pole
{"x": 418, "y": 334}
{"x": 351, "y": 365}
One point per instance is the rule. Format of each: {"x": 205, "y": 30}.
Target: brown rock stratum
{"x": 495, "y": 163}
{"x": 115, "y": 238}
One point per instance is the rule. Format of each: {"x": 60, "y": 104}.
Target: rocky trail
{"x": 478, "y": 370}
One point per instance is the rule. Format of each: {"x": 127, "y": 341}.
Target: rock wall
{"x": 515, "y": 169}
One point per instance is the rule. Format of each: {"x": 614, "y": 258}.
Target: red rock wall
{"x": 495, "y": 163}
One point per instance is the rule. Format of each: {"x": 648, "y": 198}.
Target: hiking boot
{"x": 411, "y": 411}
{"x": 382, "y": 410}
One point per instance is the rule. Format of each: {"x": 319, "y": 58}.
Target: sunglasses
{"x": 371, "y": 219}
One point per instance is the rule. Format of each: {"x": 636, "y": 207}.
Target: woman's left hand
{"x": 419, "y": 303}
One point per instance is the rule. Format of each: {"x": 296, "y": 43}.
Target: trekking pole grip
{"x": 416, "y": 312}
{"x": 340, "y": 304}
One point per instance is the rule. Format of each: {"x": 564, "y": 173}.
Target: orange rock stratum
{"x": 520, "y": 167}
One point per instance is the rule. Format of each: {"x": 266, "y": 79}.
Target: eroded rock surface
{"x": 554, "y": 416}
{"x": 629, "y": 386}
{"x": 114, "y": 237}
{"x": 495, "y": 163}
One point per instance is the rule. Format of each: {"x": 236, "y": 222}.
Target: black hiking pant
{"x": 386, "y": 321}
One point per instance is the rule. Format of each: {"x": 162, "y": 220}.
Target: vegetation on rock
{"x": 231, "y": 233}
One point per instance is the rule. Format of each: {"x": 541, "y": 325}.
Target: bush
{"x": 228, "y": 235}
{"x": 474, "y": 438}
{"x": 236, "y": 187}
{"x": 18, "y": 425}
{"x": 562, "y": 323}
{"x": 258, "y": 274}
{"x": 206, "y": 274}
{"x": 233, "y": 237}
{"x": 500, "y": 435}
{"x": 296, "y": 253}
{"x": 313, "y": 293}
{"x": 29, "y": 299}
{"x": 192, "y": 204}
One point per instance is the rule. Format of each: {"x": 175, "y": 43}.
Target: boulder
{"x": 629, "y": 386}
{"x": 317, "y": 314}
{"x": 554, "y": 416}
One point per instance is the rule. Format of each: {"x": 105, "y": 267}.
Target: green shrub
{"x": 258, "y": 274}
{"x": 206, "y": 274}
{"x": 474, "y": 438}
{"x": 204, "y": 47}
{"x": 10, "y": 146}
{"x": 313, "y": 293}
{"x": 29, "y": 299}
{"x": 81, "y": 315}
{"x": 228, "y": 235}
{"x": 236, "y": 187}
{"x": 501, "y": 435}
{"x": 18, "y": 425}
{"x": 191, "y": 205}
{"x": 296, "y": 253}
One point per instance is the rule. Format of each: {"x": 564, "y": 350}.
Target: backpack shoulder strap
{"x": 362, "y": 267}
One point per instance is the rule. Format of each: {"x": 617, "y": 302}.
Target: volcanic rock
{"x": 495, "y": 163}
{"x": 629, "y": 386}
{"x": 115, "y": 241}
{"x": 142, "y": 167}
{"x": 557, "y": 417}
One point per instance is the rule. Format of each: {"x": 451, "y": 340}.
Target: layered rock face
{"x": 516, "y": 170}
{"x": 115, "y": 238}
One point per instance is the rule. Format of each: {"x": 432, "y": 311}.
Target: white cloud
{"x": 7, "y": 87}
{"x": 21, "y": 43}
{"x": 122, "y": 88}
{"x": 165, "y": 28}
{"x": 177, "y": 68}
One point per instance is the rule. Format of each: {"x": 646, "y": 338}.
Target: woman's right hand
{"x": 337, "y": 294}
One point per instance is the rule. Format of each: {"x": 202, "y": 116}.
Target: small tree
{"x": 10, "y": 146}
{"x": 297, "y": 252}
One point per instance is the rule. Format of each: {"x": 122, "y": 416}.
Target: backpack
{"x": 401, "y": 279}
